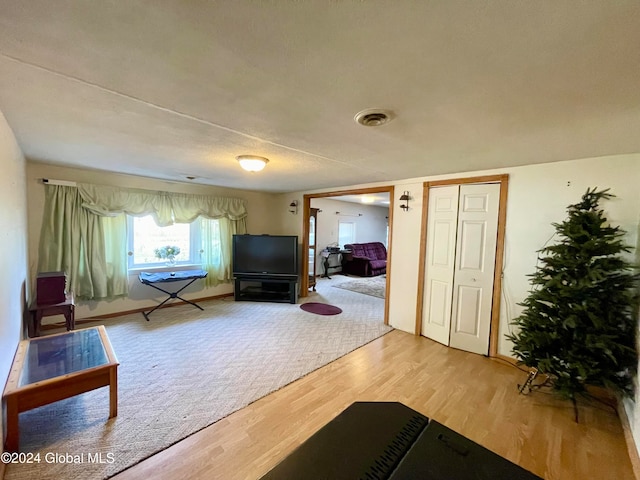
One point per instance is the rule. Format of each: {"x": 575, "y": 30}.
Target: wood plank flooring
{"x": 473, "y": 395}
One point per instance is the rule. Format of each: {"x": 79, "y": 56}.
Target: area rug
{"x": 320, "y": 308}
{"x": 183, "y": 371}
{"x": 374, "y": 286}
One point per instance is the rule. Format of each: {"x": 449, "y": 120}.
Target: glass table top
{"x": 57, "y": 355}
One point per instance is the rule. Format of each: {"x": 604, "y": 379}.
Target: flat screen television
{"x": 265, "y": 255}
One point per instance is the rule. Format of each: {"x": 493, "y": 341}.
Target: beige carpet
{"x": 374, "y": 286}
{"x": 186, "y": 369}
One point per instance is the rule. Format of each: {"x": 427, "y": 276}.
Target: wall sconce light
{"x": 252, "y": 163}
{"x": 293, "y": 207}
{"x": 405, "y": 198}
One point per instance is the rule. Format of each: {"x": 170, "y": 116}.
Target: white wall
{"x": 538, "y": 196}
{"x": 404, "y": 254}
{"x": 13, "y": 218}
{"x": 260, "y": 219}
{"x": 630, "y": 404}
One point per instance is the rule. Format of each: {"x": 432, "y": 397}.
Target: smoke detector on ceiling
{"x": 373, "y": 117}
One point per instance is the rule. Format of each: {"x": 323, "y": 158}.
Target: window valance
{"x": 166, "y": 207}
{"x": 84, "y": 233}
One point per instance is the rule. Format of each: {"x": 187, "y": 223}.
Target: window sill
{"x": 164, "y": 268}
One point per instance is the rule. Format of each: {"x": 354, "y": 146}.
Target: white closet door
{"x": 474, "y": 267}
{"x": 442, "y": 218}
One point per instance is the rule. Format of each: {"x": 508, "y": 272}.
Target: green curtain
{"x": 109, "y": 201}
{"x": 217, "y": 236}
{"x": 83, "y": 245}
{"x": 188, "y": 207}
{"x": 84, "y": 233}
{"x": 166, "y": 207}
{"x": 115, "y": 248}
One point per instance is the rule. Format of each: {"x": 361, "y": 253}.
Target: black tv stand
{"x": 266, "y": 288}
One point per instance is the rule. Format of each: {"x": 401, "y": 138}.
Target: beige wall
{"x": 260, "y": 219}
{"x": 13, "y": 217}
{"x": 288, "y": 223}
{"x": 538, "y": 196}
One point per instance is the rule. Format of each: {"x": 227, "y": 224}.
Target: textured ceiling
{"x": 170, "y": 88}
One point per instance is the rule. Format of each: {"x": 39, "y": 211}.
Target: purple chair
{"x": 365, "y": 260}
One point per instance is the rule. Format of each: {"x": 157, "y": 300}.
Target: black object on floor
{"x": 320, "y": 308}
{"x": 388, "y": 440}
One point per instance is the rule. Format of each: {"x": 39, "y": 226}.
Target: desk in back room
{"x": 327, "y": 254}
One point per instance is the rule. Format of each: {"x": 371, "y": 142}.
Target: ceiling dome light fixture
{"x": 252, "y": 163}
{"x": 373, "y": 117}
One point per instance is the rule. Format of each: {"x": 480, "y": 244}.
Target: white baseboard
{"x": 632, "y": 448}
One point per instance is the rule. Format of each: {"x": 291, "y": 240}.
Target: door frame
{"x": 315, "y": 247}
{"x": 306, "y": 205}
{"x": 497, "y": 275}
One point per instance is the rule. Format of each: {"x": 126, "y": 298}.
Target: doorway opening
{"x": 309, "y": 245}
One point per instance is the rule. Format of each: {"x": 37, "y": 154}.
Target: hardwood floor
{"x": 473, "y": 395}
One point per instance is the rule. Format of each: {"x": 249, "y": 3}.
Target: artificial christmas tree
{"x": 579, "y": 325}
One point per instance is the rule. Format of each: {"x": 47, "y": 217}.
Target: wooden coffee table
{"x": 55, "y": 367}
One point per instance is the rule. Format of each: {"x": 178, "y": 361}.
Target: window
{"x": 346, "y": 233}
{"x": 144, "y": 237}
